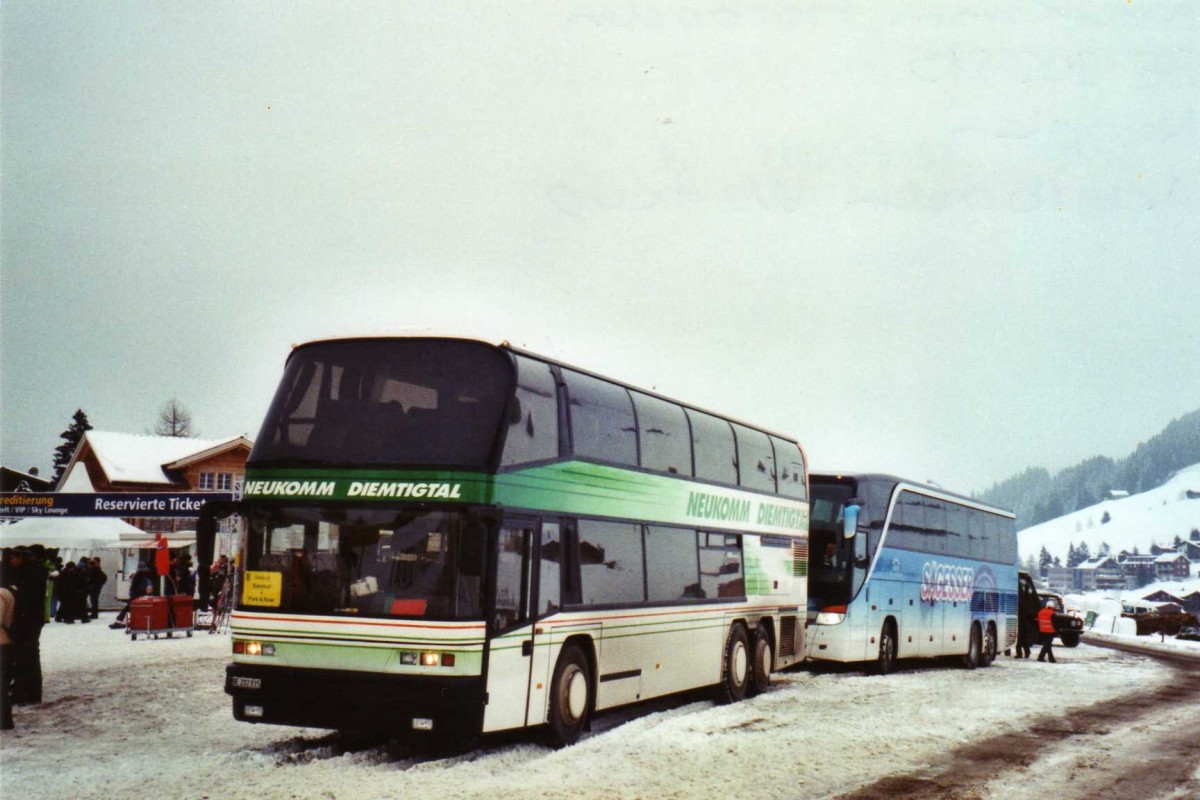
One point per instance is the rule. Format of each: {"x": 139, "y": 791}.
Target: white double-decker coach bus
{"x": 454, "y": 536}
{"x": 905, "y": 570}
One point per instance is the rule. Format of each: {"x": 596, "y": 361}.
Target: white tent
{"x": 73, "y": 537}
{"x": 93, "y": 536}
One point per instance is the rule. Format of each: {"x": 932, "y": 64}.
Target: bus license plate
{"x": 240, "y": 682}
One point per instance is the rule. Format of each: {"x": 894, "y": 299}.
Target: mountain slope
{"x": 1152, "y": 517}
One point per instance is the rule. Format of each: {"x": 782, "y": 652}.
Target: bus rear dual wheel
{"x": 981, "y": 648}
{"x": 745, "y": 666}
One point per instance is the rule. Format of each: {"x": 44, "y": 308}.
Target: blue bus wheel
{"x": 886, "y": 662}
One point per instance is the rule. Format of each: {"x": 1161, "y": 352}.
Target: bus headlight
{"x": 831, "y": 615}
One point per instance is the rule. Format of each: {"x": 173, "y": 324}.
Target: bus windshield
{"x": 373, "y": 402}
{"x": 376, "y": 562}
{"x": 831, "y": 556}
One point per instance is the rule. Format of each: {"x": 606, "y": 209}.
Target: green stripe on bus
{"x": 571, "y": 487}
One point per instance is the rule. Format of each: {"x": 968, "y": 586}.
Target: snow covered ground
{"x": 127, "y": 719}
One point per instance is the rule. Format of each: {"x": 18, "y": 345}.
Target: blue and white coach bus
{"x": 899, "y": 569}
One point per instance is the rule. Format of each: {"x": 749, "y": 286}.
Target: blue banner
{"x": 108, "y": 504}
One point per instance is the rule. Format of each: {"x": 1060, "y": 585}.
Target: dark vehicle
{"x": 1069, "y": 627}
{"x": 1189, "y": 634}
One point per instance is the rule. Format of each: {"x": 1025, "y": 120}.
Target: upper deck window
{"x": 715, "y": 452}
{"x": 602, "y": 423}
{"x": 533, "y": 421}
{"x": 418, "y": 402}
{"x": 666, "y": 440}
{"x": 789, "y": 462}
{"x": 756, "y": 459}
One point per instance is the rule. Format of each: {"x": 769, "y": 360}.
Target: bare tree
{"x": 174, "y": 419}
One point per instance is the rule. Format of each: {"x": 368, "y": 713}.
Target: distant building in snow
{"x": 12, "y": 480}
{"x": 1137, "y": 569}
{"x": 1102, "y": 572}
{"x": 1172, "y": 565}
{"x": 106, "y": 461}
{"x": 1062, "y": 579}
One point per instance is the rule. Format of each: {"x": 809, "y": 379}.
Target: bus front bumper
{"x": 355, "y": 701}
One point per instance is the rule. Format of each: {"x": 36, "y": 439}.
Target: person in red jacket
{"x": 1046, "y": 631}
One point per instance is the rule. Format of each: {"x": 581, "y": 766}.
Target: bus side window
{"x": 550, "y": 573}
{"x": 934, "y": 539}
{"x": 756, "y": 459}
{"x": 611, "y": 562}
{"x": 721, "y": 565}
{"x": 664, "y": 435}
{"x": 533, "y": 428}
{"x": 789, "y": 462}
{"x": 602, "y": 420}
{"x": 713, "y": 448}
{"x": 671, "y": 564}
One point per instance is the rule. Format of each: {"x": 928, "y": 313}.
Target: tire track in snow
{"x": 1135, "y": 747}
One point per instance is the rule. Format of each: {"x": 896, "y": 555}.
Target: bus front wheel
{"x": 570, "y": 697}
{"x": 887, "y": 650}
{"x": 735, "y": 666}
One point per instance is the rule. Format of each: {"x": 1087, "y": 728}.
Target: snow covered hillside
{"x": 1140, "y": 520}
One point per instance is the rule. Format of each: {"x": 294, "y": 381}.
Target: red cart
{"x": 151, "y": 616}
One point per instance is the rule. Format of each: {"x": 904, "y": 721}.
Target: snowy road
{"x": 149, "y": 719}
{"x": 1143, "y": 745}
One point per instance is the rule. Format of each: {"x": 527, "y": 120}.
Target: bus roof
{"x": 504, "y": 344}
{"x": 894, "y": 479}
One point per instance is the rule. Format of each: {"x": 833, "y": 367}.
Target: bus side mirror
{"x": 850, "y": 519}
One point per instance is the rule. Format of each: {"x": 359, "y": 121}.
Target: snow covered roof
{"x": 1097, "y": 562}
{"x": 1168, "y": 558}
{"x": 134, "y": 458}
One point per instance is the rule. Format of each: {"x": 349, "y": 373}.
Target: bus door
{"x": 510, "y": 627}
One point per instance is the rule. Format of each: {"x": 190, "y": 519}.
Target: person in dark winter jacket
{"x": 71, "y": 588}
{"x": 182, "y": 576}
{"x": 1027, "y": 624}
{"x": 96, "y": 578}
{"x": 27, "y": 581}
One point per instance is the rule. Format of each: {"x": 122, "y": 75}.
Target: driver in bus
{"x": 830, "y": 562}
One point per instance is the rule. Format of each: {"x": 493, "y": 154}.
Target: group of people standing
{"x": 76, "y": 593}
{"x": 1035, "y": 624}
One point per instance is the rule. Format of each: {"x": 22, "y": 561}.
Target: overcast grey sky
{"x": 945, "y": 239}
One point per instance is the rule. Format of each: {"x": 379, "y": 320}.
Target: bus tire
{"x": 988, "y": 654}
{"x": 885, "y": 664}
{"x": 1069, "y": 639}
{"x": 760, "y": 673}
{"x": 570, "y": 697}
{"x": 735, "y": 666}
{"x": 974, "y": 648}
